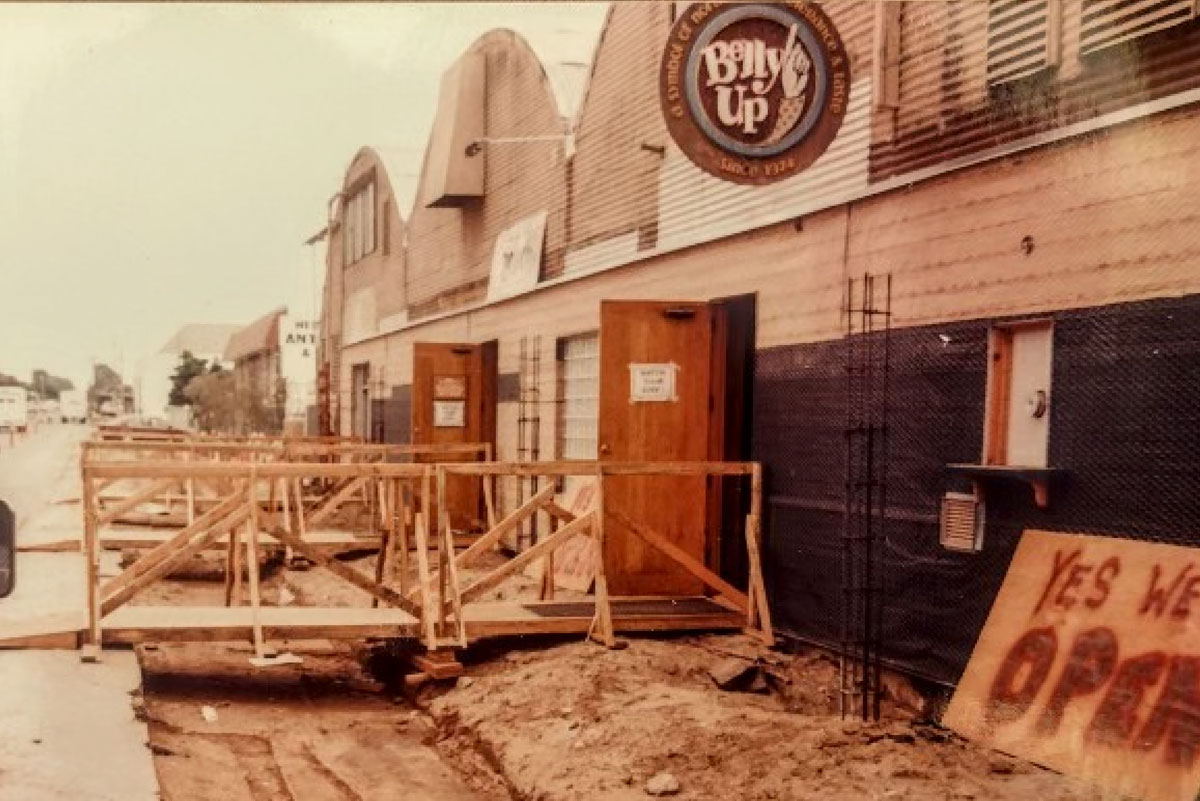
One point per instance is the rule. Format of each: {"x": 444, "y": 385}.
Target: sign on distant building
{"x": 298, "y": 363}
{"x": 754, "y": 92}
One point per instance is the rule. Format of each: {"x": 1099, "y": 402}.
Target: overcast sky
{"x": 163, "y": 164}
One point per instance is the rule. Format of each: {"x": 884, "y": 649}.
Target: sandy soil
{"x": 562, "y": 719}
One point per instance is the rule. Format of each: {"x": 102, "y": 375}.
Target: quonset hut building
{"x": 1002, "y": 192}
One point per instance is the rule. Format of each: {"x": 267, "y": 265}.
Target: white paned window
{"x": 358, "y": 224}
{"x": 579, "y": 372}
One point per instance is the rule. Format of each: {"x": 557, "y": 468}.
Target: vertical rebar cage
{"x": 867, "y": 352}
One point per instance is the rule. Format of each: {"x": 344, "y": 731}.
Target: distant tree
{"x": 189, "y": 367}
{"x": 213, "y": 397}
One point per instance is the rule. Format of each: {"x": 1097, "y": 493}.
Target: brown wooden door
{"x": 645, "y": 347}
{"x": 454, "y": 401}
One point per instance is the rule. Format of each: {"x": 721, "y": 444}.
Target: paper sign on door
{"x": 449, "y": 414}
{"x": 652, "y": 382}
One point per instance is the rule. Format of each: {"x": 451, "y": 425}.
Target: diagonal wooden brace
{"x": 685, "y": 560}
{"x": 345, "y": 572}
{"x": 518, "y": 562}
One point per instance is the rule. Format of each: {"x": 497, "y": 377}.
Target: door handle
{"x": 605, "y": 450}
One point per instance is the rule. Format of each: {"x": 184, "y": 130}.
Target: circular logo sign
{"x": 754, "y": 92}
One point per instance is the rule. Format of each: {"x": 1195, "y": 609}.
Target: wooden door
{"x": 454, "y": 401}
{"x": 662, "y": 399}
{"x": 1029, "y": 403}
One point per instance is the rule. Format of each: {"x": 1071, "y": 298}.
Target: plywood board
{"x": 1090, "y": 664}
{"x": 575, "y": 560}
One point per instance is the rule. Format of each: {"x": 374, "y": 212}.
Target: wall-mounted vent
{"x": 962, "y": 522}
{"x": 1109, "y": 22}
{"x": 1022, "y": 38}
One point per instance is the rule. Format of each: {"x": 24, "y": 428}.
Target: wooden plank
{"x": 488, "y": 541}
{"x": 497, "y": 576}
{"x": 684, "y": 559}
{"x": 136, "y": 624}
{"x": 345, "y": 572}
{"x": 224, "y": 469}
{"x": 451, "y": 567}
{"x": 135, "y": 500}
{"x": 602, "y": 621}
{"x": 91, "y": 548}
{"x": 575, "y": 562}
{"x": 331, "y": 504}
{"x": 165, "y": 549}
{"x": 252, "y": 568}
{"x": 588, "y": 468}
{"x": 1089, "y": 664}
{"x": 164, "y": 566}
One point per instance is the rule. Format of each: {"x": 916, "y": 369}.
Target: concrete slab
{"x": 69, "y": 729}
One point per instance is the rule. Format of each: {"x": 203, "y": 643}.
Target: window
{"x": 1023, "y": 38}
{"x": 1017, "y": 426}
{"x": 358, "y": 224}
{"x": 1108, "y": 22}
{"x": 579, "y": 393}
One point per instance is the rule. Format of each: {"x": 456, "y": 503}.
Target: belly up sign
{"x": 1090, "y": 664}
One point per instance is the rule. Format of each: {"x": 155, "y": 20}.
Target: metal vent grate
{"x": 962, "y": 522}
{"x": 1019, "y": 42}
{"x": 1109, "y": 22}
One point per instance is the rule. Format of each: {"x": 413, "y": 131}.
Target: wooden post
{"x": 602, "y": 622}
{"x": 450, "y": 569}
{"x": 422, "y": 536}
{"x": 252, "y": 564}
{"x": 444, "y": 559}
{"x": 379, "y": 491}
{"x": 546, "y": 592}
{"x": 758, "y": 611}
{"x": 91, "y": 559}
{"x": 190, "y": 492}
{"x": 286, "y": 504}
{"x": 404, "y": 497}
{"x": 489, "y": 488}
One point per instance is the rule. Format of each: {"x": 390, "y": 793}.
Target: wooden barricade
{"x": 247, "y": 513}
{"x": 566, "y": 527}
{"x": 259, "y": 501}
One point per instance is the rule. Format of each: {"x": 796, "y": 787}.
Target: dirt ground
{"x": 552, "y": 720}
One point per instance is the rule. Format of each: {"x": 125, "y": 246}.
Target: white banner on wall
{"x": 298, "y": 363}
{"x": 517, "y": 257}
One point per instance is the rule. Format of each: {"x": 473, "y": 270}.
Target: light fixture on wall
{"x": 476, "y": 147}
{"x": 1027, "y": 244}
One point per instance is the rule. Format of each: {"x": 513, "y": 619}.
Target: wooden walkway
{"x": 137, "y": 624}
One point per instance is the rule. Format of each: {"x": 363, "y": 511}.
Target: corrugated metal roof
{"x": 201, "y": 338}
{"x": 260, "y": 335}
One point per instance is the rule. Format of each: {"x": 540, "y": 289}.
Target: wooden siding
{"x": 450, "y": 249}
{"x": 1110, "y": 219}
{"x": 380, "y": 274}
{"x": 632, "y": 191}
{"x": 946, "y": 110}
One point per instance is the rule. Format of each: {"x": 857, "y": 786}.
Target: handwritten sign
{"x": 1090, "y": 664}
{"x": 652, "y": 382}
{"x": 449, "y": 414}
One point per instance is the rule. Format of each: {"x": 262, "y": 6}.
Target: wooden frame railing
{"x": 245, "y": 512}
{"x": 260, "y": 499}
{"x": 94, "y": 452}
{"x": 592, "y": 524}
